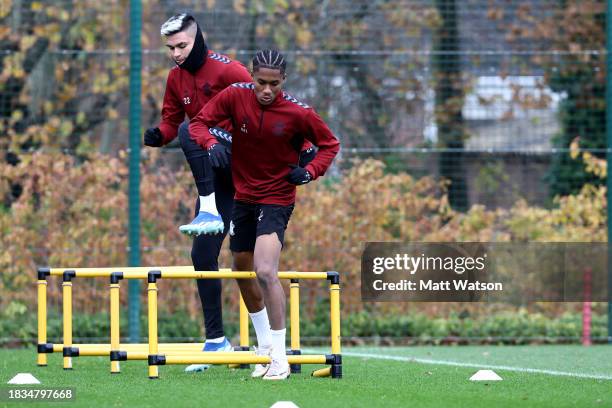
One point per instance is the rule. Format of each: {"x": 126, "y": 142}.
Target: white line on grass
{"x": 474, "y": 365}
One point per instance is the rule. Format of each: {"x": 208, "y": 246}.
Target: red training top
{"x": 264, "y": 141}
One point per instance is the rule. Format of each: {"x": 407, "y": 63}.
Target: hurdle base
{"x": 336, "y": 371}
{"x": 295, "y": 368}
{"x": 242, "y": 366}
{"x": 45, "y": 348}
{"x": 323, "y": 372}
{"x": 335, "y": 368}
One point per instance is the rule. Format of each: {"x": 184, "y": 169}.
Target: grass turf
{"x": 367, "y": 382}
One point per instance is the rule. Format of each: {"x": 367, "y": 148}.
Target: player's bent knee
{"x": 266, "y": 276}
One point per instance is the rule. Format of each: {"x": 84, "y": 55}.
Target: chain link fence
{"x": 483, "y": 96}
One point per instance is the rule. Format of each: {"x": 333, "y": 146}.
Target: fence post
{"x": 134, "y": 166}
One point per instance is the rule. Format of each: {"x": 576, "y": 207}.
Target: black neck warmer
{"x": 197, "y": 56}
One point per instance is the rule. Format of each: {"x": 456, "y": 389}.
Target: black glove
{"x": 307, "y": 155}
{"x": 219, "y": 156}
{"x": 153, "y": 137}
{"x": 298, "y": 175}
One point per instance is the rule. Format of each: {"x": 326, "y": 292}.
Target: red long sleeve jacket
{"x": 187, "y": 93}
{"x": 265, "y": 140}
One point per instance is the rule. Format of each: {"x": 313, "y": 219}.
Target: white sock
{"x": 217, "y": 340}
{"x": 278, "y": 344}
{"x": 208, "y": 204}
{"x": 262, "y": 328}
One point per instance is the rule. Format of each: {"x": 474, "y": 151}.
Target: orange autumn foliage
{"x": 74, "y": 214}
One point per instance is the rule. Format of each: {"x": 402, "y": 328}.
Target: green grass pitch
{"x": 533, "y": 376}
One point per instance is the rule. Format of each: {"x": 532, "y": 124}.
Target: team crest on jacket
{"x": 245, "y": 123}
{"x": 207, "y": 89}
{"x": 243, "y": 128}
{"x": 278, "y": 129}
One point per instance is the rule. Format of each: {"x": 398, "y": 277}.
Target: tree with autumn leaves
{"x": 575, "y": 68}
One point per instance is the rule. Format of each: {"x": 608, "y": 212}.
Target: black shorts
{"x": 252, "y": 220}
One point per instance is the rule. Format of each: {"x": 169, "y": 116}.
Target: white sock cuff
{"x": 208, "y": 204}
{"x": 217, "y": 340}
{"x": 260, "y": 313}
{"x": 281, "y": 332}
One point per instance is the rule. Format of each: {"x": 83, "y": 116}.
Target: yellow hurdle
{"x": 42, "y": 321}
{"x": 103, "y": 349}
{"x": 323, "y": 372}
{"x": 153, "y": 349}
{"x": 237, "y": 358}
{"x": 176, "y": 272}
{"x": 244, "y": 333}
{"x": 334, "y": 301}
{"x": 334, "y": 359}
{"x": 67, "y": 319}
{"x": 114, "y": 323}
{"x": 244, "y": 325}
{"x": 294, "y": 321}
{"x": 180, "y": 353}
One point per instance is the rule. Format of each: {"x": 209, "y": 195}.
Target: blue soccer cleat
{"x": 204, "y": 223}
{"x": 223, "y": 346}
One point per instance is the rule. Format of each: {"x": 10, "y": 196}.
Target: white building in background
{"x": 513, "y": 113}
{"x": 506, "y": 114}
